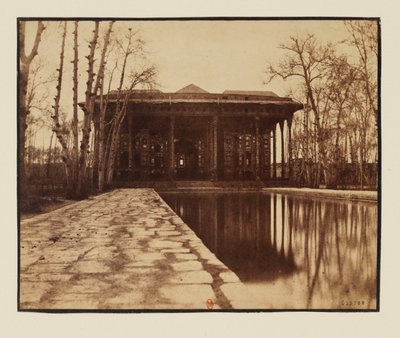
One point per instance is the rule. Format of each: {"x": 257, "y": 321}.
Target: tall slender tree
{"x": 25, "y": 61}
{"x": 93, "y": 86}
{"x": 364, "y": 37}
{"x": 307, "y": 59}
{"x": 58, "y": 127}
{"x": 75, "y": 151}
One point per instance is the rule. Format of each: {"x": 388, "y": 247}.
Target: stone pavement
{"x": 125, "y": 249}
{"x": 371, "y": 196}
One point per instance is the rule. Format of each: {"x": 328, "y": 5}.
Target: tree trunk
{"x": 23, "y": 83}
{"x": 108, "y": 148}
{"x": 56, "y": 118}
{"x": 113, "y": 149}
{"x": 92, "y": 89}
{"x": 87, "y": 109}
{"x": 101, "y": 149}
{"x": 49, "y": 156}
{"x": 105, "y": 158}
{"x": 361, "y": 170}
{"x": 24, "y": 68}
{"x": 75, "y": 166}
{"x": 114, "y": 142}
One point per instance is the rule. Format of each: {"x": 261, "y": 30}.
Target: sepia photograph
{"x": 198, "y": 164}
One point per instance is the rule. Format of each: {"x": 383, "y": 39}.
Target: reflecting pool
{"x": 292, "y": 252}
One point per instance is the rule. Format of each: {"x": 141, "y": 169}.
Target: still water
{"x": 292, "y": 252}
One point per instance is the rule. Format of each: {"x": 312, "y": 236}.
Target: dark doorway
{"x": 192, "y": 153}
{"x": 186, "y": 160}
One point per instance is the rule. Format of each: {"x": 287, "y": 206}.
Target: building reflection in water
{"x": 292, "y": 251}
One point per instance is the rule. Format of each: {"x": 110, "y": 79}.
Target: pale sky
{"x": 223, "y": 55}
{"x": 214, "y": 55}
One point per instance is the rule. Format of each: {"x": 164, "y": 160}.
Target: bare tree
{"x": 340, "y": 101}
{"x": 36, "y": 104}
{"x": 58, "y": 126}
{"x": 364, "y": 37}
{"x": 25, "y": 61}
{"x": 100, "y": 147}
{"x": 49, "y": 156}
{"x": 75, "y": 152}
{"x": 37, "y": 91}
{"x": 92, "y": 89}
{"x": 34, "y": 125}
{"x": 307, "y": 59}
{"x": 340, "y": 85}
{"x": 144, "y": 76}
{"x": 109, "y": 144}
{"x": 101, "y": 137}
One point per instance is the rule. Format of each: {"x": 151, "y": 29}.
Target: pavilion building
{"x": 193, "y": 135}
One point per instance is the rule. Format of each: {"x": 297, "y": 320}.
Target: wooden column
{"x": 258, "y": 235}
{"x": 267, "y": 155}
{"x": 290, "y": 169}
{"x": 130, "y": 146}
{"x": 283, "y": 199}
{"x": 290, "y": 224}
{"x": 215, "y": 219}
{"x": 274, "y": 151}
{"x": 209, "y": 149}
{"x": 274, "y": 242}
{"x": 266, "y": 219}
{"x": 214, "y": 129}
{"x": 171, "y": 166}
{"x": 281, "y": 125}
{"x": 257, "y": 133}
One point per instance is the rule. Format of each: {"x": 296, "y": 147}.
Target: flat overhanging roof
{"x": 194, "y": 95}
{"x": 200, "y": 96}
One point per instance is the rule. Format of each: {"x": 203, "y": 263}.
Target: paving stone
{"x": 140, "y": 264}
{"x": 101, "y": 252}
{"x": 164, "y": 244}
{"x": 126, "y": 299}
{"x": 238, "y": 295}
{"x": 136, "y": 271}
{"x": 216, "y": 262}
{"x": 78, "y": 304}
{"x": 34, "y": 291}
{"x": 90, "y": 266}
{"x": 87, "y": 283}
{"x": 27, "y": 260}
{"x": 176, "y": 220}
{"x": 149, "y": 257}
{"x": 187, "y": 266}
{"x": 168, "y": 233}
{"x": 61, "y": 257}
{"x": 185, "y": 256}
{"x": 188, "y": 296}
{"x": 45, "y": 277}
{"x": 133, "y": 251}
{"x": 196, "y": 243}
{"x": 177, "y": 250}
{"x": 41, "y": 267}
{"x": 191, "y": 277}
{"x": 166, "y": 228}
{"x": 142, "y": 232}
{"x": 229, "y": 277}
